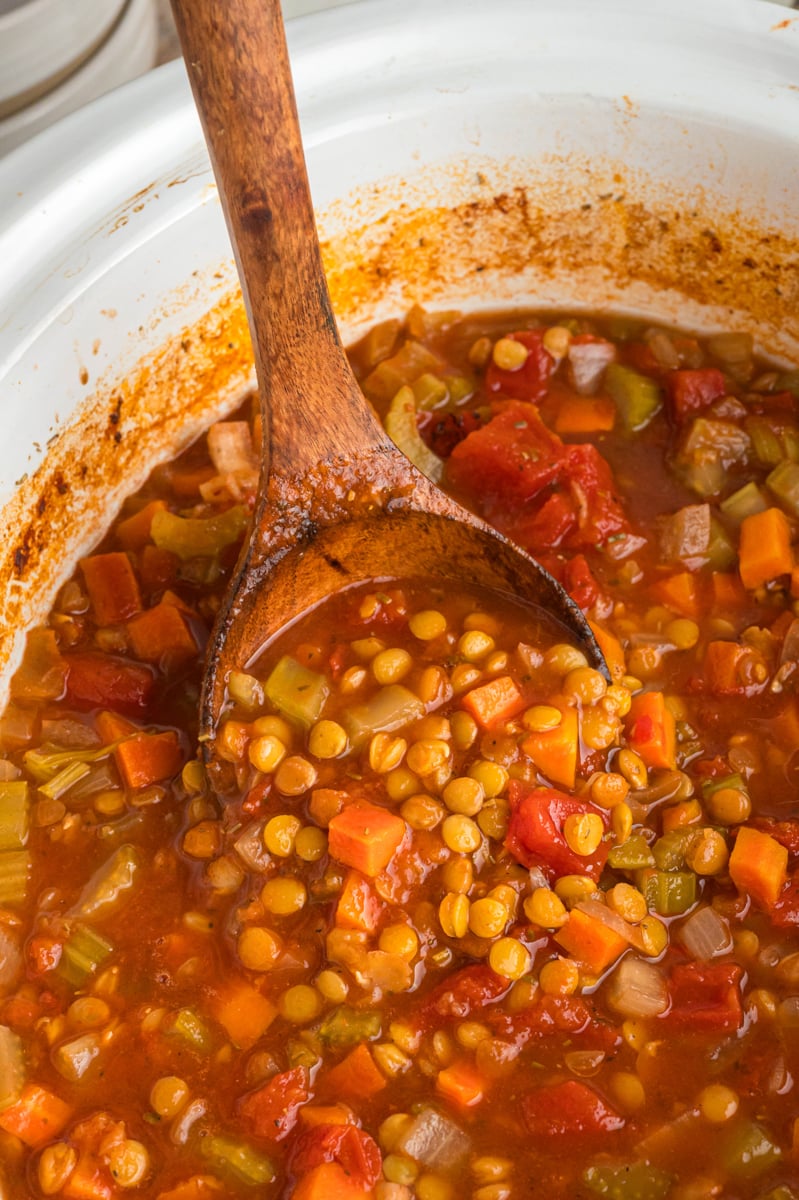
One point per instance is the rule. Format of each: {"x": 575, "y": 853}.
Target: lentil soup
{"x": 474, "y": 920}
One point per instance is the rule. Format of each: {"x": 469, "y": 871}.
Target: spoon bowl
{"x": 338, "y": 503}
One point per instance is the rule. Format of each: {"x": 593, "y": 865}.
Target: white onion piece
{"x": 230, "y": 447}
{"x": 705, "y": 934}
{"x": 249, "y": 846}
{"x": 637, "y": 989}
{"x": 435, "y": 1141}
{"x": 584, "y": 1063}
{"x": 587, "y": 362}
{"x": 10, "y": 960}
{"x": 663, "y": 349}
{"x": 601, "y": 912}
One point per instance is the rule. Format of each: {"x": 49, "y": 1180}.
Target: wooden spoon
{"x": 338, "y": 502}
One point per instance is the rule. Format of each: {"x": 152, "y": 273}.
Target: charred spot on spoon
{"x": 255, "y": 208}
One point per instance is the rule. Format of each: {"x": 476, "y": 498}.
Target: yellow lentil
{"x": 295, "y": 775}
{"x": 422, "y": 811}
{"x": 717, "y": 1103}
{"x": 729, "y": 805}
{"x": 541, "y": 718}
{"x": 273, "y": 727}
{"x": 56, "y": 1164}
{"x": 280, "y": 834}
{"x": 258, "y": 948}
{"x": 453, "y": 914}
{"x": 283, "y": 896}
{"x": 427, "y": 625}
{"x": 621, "y": 821}
{"x": 492, "y": 777}
{"x": 310, "y": 844}
{"x": 509, "y": 958}
{"x": 390, "y": 666}
{"x": 627, "y": 901}
{"x": 399, "y": 939}
{"x": 464, "y": 729}
{"x": 428, "y": 755}
{"x": 655, "y": 936}
{"x": 461, "y": 834}
{"x": 168, "y": 1095}
{"x": 608, "y": 789}
{"x": 386, "y": 752}
{"x": 474, "y": 645}
{"x": 683, "y": 632}
{"x": 585, "y": 684}
{"x": 401, "y": 783}
{"x": 488, "y": 917}
{"x": 266, "y": 753}
{"x": 563, "y": 658}
{"x": 332, "y": 986}
{"x": 628, "y": 1091}
{"x": 583, "y": 833}
{"x": 707, "y": 854}
{"x": 508, "y": 354}
{"x": 327, "y": 739}
{"x": 457, "y": 875}
{"x": 543, "y": 907}
{"x": 300, "y": 1004}
{"x": 128, "y": 1162}
{"x": 631, "y": 765}
{"x": 464, "y": 795}
{"x": 493, "y": 818}
{"x": 559, "y": 977}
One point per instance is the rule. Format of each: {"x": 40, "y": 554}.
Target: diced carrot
{"x": 612, "y": 651}
{"x": 758, "y": 866}
{"x": 199, "y": 1187}
{"x": 764, "y": 551}
{"x": 728, "y": 591}
{"x": 90, "y": 1180}
{"x": 554, "y": 751}
{"x": 461, "y": 1083}
{"x": 161, "y": 634}
{"x": 359, "y": 906}
{"x": 170, "y": 597}
{"x": 365, "y": 837}
{"x": 186, "y": 483}
{"x": 326, "y": 1114}
{"x": 149, "y": 758}
{"x": 244, "y": 1013}
{"x": 590, "y": 941}
{"x": 357, "y": 1075}
{"x": 329, "y": 1181}
{"x": 112, "y": 726}
{"x": 134, "y": 532}
{"x": 157, "y": 568}
{"x": 37, "y": 1117}
{"x": 677, "y": 816}
{"x": 728, "y": 669}
{"x": 651, "y": 730}
{"x": 585, "y": 414}
{"x": 495, "y": 701}
{"x": 680, "y": 593}
{"x": 112, "y": 586}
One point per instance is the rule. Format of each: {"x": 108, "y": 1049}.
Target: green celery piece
{"x": 198, "y": 537}
{"x": 247, "y": 1165}
{"x": 15, "y": 866}
{"x": 748, "y": 1150}
{"x": 746, "y": 502}
{"x": 411, "y": 360}
{"x": 296, "y": 691}
{"x": 187, "y": 1025}
{"x": 401, "y": 427}
{"x": 346, "y": 1026}
{"x": 766, "y": 442}
{"x": 66, "y": 778}
{"x": 387, "y": 710}
{"x": 628, "y": 1181}
{"x": 633, "y": 855}
{"x": 44, "y": 764}
{"x": 636, "y": 396}
{"x": 460, "y": 388}
{"x": 784, "y": 483}
{"x": 724, "y": 781}
{"x": 669, "y": 850}
{"x": 668, "y": 893}
{"x": 721, "y": 551}
{"x": 429, "y": 392}
{"x": 12, "y": 1067}
{"x": 109, "y": 883}
{"x": 14, "y": 814}
{"x": 84, "y": 953}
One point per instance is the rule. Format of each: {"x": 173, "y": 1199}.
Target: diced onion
{"x": 600, "y": 912}
{"x": 435, "y": 1141}
{"x": 245, "y": 689}
{"x": 230, "y": 447}
{"x": 663, "y": 349}
{"x": 250, "y": 847}
{"x": 705, "y": 934}
{"x": 637, "y": 989}
{"x": 69, "y": 733}
{"x": 685, "y": 536}
{"x": 584, "y": 1063}
{"x": 587, "y": 362}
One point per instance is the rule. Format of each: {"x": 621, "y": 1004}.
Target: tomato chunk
{"x": 271, "y": 1111}
{"x": 705, "y": 997}
{"x": 529, "y": 382}
{"x": 102, "y": 681}
{"x": 511, "y": 459}
{"x": 691, "y": 391}
{"x": 569, "y": 1109}
{"x": 535, "y": 834}
{"x": 350, "y": 1147}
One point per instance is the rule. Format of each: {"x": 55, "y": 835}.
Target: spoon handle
{"x": 237, "y": 61}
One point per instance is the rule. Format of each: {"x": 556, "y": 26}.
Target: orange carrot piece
{"x": 585, "y": 414}
{"x": 680, "y": 593}
{"x": 111, "y": 726}
{"x": 365, "y": 837}
{"x": 37, "y": 1117}
{"x": 312, "y": 1115}
{"x": 149, "y": 758}
{"x": 727, "y": 668}
{"x": 359, "y": 906}
{"x": 590, "y": 942}
{"x": 157, "y": 568}
{"x": 357, "y": 1075}
{"x": 758, "y": 866}
{"x": 112, "y": 586}
{"x": 329, "y": 1181}
{"x": 134, "y": 532}
{"x": 493, "y": 702}
{"x": 677, "y": 816}
{"x": 554, "y": 752}
{"x": 186, "y": 483}
{"x": 161, "y": 633}
{"x": 90, "y": 1180}
{"x": 461, "y": 1083}
{"x": 764, "y": 551}
{"x": 651, "y": 730}
{"x": 199, "y": 1187}
{"x": 244, "y": 1013}
{"x": 728, "y": 591}
{"x": 612, "y": 651}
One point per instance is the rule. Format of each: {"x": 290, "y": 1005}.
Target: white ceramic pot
{"x": 640, "y": 156}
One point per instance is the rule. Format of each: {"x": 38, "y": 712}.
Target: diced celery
{"x": 667, "y": 893}
{"x": 12, "y": 1067}
{"x": 460, "y": 388}
{"x": 746, "y": 502}
{"x": 66, "y": 778}
{"x": 346, "y": 1026}
{"x": 15, "y": 868}
{"x": 784, "y": 483}
{"x": 389, "y": 709}
{"x": 669, "y": 850}
{"x": 411, "y": 360}
{"x": 247, "y": 1165}
{"x": 44, "y": 764}
{"x": 429, "y": 392}
{"x": 14, "y": 811}
{"x": 296, "y": 691}
{"x": 722, "y": 554}
{"x": 401, "y": 427}
{"x": 724, "y": 781}
{"x": 636, "y": 396}
{"x": 628, "y": 1181}
{"x": 749, "y": 1151}
{"x": 187, "y": 1024}
{"x": 109, "y": 883}
{"x": 634, "y": 855}
{"x": 766, "y": 440}
{"x": 83, "y": 954}
{"x": 198, "y": 537}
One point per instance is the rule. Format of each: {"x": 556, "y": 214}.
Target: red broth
{"x": 475, "y": 922}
